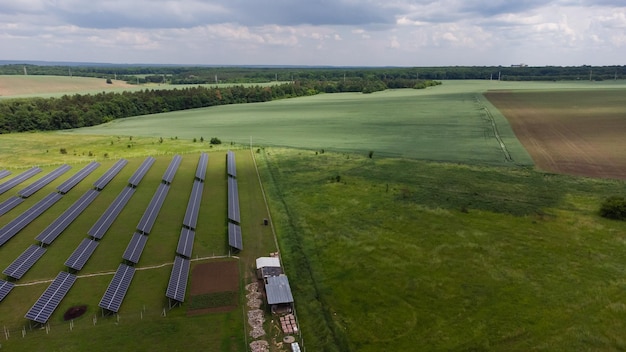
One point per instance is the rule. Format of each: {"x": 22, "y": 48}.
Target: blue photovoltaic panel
{"x": 114, "y": 295}
{"x": 5, "y": 288}
{"x": 19, "y": 179}
{"x": 233, "y": 200}
{"x": 178, "y": 280}
{"x": 42, "y": 182}
{"x": 16, "y": 225}
{"x": 202, "y": 164}
{"x": 193, "y": 206}
{"x": 106, "y": 219}
{"x": 141, "y": 171}
{"x": 168, "y": 176}
{"x": 50, "y": 299}
{"x": 112, "y": 172}
{"x": 149, "y": 216}
{"x": 25, "y": 261}
{"x": 234, "y": 236}
{"x": 230, "y": 164}
{"x": 50, "y": 233}
{"x": 4, "y": 173}
{"x": 81, "y": 254}
{"x": 135, "y": 247}
{"x": 79, "y": 176}
{"x": 9, "y": 204}
{"x": 185, "y": 242}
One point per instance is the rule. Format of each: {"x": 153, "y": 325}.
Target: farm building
{"x": 268, "y": 266}
{"x": 278, "y": 292}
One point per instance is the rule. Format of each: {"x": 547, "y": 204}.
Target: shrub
{"x": 215, "y": 140}
{"x": 614, "y": 208}
{"x": 63, "y": 151}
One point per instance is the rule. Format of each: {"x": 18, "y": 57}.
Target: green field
{"x": 435, "y": 243}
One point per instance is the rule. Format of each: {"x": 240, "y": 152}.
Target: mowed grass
{"x": 414, "y": 255}
{"x": 142, "y": 309}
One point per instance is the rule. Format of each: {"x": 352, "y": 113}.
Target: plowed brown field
{"x": 570, "y": 132}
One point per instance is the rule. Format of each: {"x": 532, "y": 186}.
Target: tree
{"x": 614, "y": 208}
{"x": 215, "y": 140}
{"x": 109, "y": 81}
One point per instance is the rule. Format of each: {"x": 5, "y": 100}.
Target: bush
{"x": 215, "y": 140}
{"x": 614, "y": 208}
{"x": 63, "y": 151}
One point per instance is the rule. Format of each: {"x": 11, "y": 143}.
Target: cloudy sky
{"x": 316, "y": 32}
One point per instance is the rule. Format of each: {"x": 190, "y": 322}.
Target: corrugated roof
{"x": 263, "y": 262}
{"x": 278, "y": 290}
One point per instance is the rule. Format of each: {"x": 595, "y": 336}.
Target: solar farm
{"x": 193, "y": 216}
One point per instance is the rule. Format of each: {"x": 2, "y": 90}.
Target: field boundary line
{"x": 507, "y": 155}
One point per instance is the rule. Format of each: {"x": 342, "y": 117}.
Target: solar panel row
{"x": 108, "y": 176}
{"x": 135, "y": 248}
{"x": 16, "y": 225}
{"x": 202, "y": 165}
{"x": 168, "y": 176}
{"x": 193, "y": 206}
{"x": 114, "y": 295}
{"x": 42, "y": 182}
{"x": 81, "y": 254}
{"x": 76, "y": 178}
{"x": 25, "y": 261}
{"x": 4, "y": 173}
{"x": 233, "y": 200}
{"x": 230, "y": 164}
{"x": 234, "y": 236}
{"x": 19, "y": 179}
{"x": 149, "y": 216}
{"x": 106, "y": 219}
{"x": 178, "y": 280}
{"x": 141, "y": 171}
{"x": 9, "y": 204}
{"x": 50, "y": 233}
{"x": 50, "y": 299}
{"x": 5, "y": 288}
{"x": 185, "y": 242}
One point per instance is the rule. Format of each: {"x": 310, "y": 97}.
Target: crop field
{"x": 577, "y": 132}
{"x": 20, "y": 86}
{"x": 145, "y": 303}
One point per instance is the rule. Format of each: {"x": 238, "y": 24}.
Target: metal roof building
{"x": 278, "y": 290}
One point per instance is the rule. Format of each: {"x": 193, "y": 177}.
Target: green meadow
{"x": 436, "y": 243}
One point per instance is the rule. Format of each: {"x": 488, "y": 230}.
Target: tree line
{"x": 75, "y": 111}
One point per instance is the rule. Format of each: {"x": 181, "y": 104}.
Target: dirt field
{"x": 214, "y": 277}
{"x": 570, "y": 132}
{"x": 27, "y": 85}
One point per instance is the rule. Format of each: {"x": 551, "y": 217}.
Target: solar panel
{"x": 230, "y": 164}
{"x": 185, "y": 242}
{"x": 202, "y": 164}
{"x": 50, "y": 299}
{"x": 234, "y": 236}
{"x": 42, "y": 182}
{"x": 9, "y": 204}
{"x": 19, "y": 179}
{"x": 114, "y": 295}
{"x": 50, "y": 233}
{"x": 168, "y": 176}
{"x": 16, "y": 225}
{"x": 149, "y": 216}
{"x": 4, "y": 173}
{"x": 110, "y": 173}
{"x": 81, "y": 254}
{"x": 233, "y": 200}
{"x": 141, "y": 171}
{"x": 25, "y": 261}
{"x": 178, "y": 280}
{"x": 5, "y": 288}
{"x": 106, "y": 219}
{"x": 79, "y": 176}
{"x": 135, "y": 247}
{"x": 193, "y": 206}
